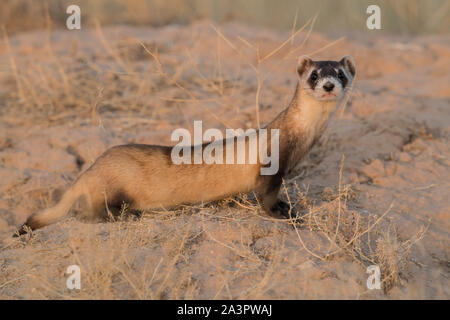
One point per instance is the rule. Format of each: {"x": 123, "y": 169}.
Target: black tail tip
{"x": 24, "y": 229}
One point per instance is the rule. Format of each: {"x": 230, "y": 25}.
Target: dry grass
{"x": 119, "y": 86}
{"x": 241, "y": 252}
{"x": 403, "y": 16}
{"x": 367, "y": 239}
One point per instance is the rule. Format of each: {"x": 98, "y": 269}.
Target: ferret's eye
{"x": 314, "y": 76}
{"x": 341, "y": 75}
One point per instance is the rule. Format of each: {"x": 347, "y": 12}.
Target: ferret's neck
{"x": 304, "y": 115}
{"x": 301, "y": 124}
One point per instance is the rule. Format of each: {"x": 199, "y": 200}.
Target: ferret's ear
{"x": 304, "y": 63}
{"x": 349, "y": 64}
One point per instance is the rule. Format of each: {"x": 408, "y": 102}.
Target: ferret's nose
{"x": 328, "y": 86}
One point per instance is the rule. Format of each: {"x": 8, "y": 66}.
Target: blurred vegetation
{"x": 413, "y": 17}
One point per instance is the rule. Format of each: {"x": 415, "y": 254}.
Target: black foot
{"x": 282, "y": 208}
{"x": 285, "y": 210}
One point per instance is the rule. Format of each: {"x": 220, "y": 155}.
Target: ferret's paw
{"x": 281, "y": 208}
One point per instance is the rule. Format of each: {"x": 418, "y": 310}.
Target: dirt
{"x": 66, "y": 96}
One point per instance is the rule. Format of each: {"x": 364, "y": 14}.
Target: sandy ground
{"x": 375, "y": 190}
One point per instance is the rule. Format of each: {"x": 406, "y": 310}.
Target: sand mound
{"x": 385, "y": 202}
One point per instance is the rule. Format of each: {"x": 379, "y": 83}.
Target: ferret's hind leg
{"x": 110, "y": 204}
{"x": 95, "y": 207}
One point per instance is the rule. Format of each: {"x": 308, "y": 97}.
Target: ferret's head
{"x": 326, "y": 80}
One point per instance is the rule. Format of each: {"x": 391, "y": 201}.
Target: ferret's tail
{"x": 51, "y": 215}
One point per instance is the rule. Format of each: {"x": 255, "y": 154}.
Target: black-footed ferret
{"x": 145, "y": 177}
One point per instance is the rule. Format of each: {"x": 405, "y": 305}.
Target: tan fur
{"x": 144, "y": 177}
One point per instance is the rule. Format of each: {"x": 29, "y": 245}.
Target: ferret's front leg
{"x": 282, "y": 208}
{"x": 270, "y": 203}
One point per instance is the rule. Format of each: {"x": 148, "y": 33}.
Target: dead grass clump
{"x": 392, "y": 256}
{"x": 367, "y": 239}
{"x": 121, "y": 260}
